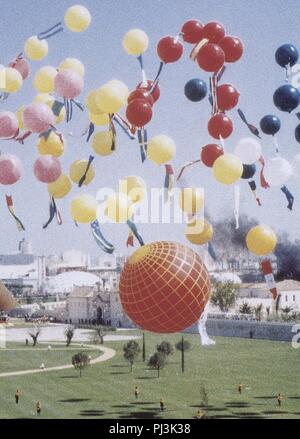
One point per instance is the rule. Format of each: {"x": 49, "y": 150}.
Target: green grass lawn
{"x": 106, "y": 390}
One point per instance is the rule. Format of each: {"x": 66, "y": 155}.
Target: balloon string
{"x": 155, "y": 82}
{"x": 48, "y": 33}
{"x": 186, "y": 166}
{"x": 144, "y": 76}
{"x": 134, "y": 230}
{"x": 197, "y": 48}
{"x": 237, "y": 205}
{"x": 141, "y": 138}
{"x": 222, "y": 143}
{"x": 289, "y": 197}
{"x": 287, "y": 72}
{"x": 275, "y": 143}
{"x": 252, "y": 186}
{"x": 10, "y": 206}
{"x": 83, "y": 178}
{"x": 125, "y": 126}
{"x": 51, "y": 35}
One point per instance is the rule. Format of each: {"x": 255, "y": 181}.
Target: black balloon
{"x": 270, "y": 124}
{"x": 297, "y": 133}
{"x": 248, "y": 171}
{"x": 287, "y": 54}
{"x": 286, "y": 98}
{"x": 195, "y": 90}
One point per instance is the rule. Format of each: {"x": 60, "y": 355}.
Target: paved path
{"x": 106, "y": 355}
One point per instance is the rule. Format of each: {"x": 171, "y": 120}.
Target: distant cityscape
{"x": 74, "y": 288}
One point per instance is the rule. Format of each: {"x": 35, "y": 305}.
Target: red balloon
{"x": 227, "y": 97}
{"x": 192, "y": 31}
{"x": 210, "y": 153}
{"x": 213, "y": 32}
{"x": 156, "y": 92}
{"x": 139, "y": 112}
{"x": 169, "y": 49}
{"x": 233, "y": 48}
{"x": 211, "y": 57}
{"x": 220, "y": 126}
{"x": 141, "y": 93}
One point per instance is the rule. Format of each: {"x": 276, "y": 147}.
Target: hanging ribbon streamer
{"x": 68, "y": 103}
{"x": 237, "y": 193}
{"x": 142, "y": 137}
{"x": 129, "y": 242}
{"x": 10, "y": 206}
{"x": 213, "y": 91}
{"x": 144, "y": 76}
{"x": 288, "y": 72}
{"x": 263, "y": 182}
{"x": 251, "y": 127}
{"x": 135, "y": 232}
{"x": 51, "y": 31}
{"x": 269, "y": 277}
{"x": 128, "y": 129}
{"x": 197, "y": 47}
{"x": 169, "y": 181}
{"x": 113, "y": 132}
{"x": 211, "y": 252}
{"x": 289, "y": 197}
{"x": 83, "y": 178}
{"x": 57, "y": 107}
{"x": 275, "y": 143}
{"x": 91, "y": 130}
{"x": 187, "y": 165}
{"x": 106, "y": 246}
{"x": 53, "y": 212}
{"x": 252, "y": 186}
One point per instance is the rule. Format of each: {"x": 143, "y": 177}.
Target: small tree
{"x": 144, "y": 347}
{"x": 157, "y": 361}
{"x": 131, "y": 352}
{"x": 245, "y": 308}
{"x": 224, "y": 295}
{"x": 98, "y": 335}
{"x": 69, "y": 334}
{"x": 80, "y": 361}
{"x": 183, "y": 346}
{"x": 165, "y": 347}
{"x": 34, "y": 334}
{"x": 287, "y": 309}
{"x": 203, "y": 396}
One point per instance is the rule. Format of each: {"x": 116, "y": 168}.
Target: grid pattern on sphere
{"x": 167, "y": 290}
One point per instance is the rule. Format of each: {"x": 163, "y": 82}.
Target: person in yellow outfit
{"x": 199, "y": 414}
{"x": 240, "y": 388}
{"x": 279, "y": 399}
{"x": 136, "y": 392}
{"x": 17, "y": 396}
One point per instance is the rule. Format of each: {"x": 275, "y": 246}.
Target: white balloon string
{"x": 237, "y": 193}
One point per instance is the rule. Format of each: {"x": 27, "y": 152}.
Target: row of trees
{"x": 158, "y": 360}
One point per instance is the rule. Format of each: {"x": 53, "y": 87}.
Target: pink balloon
{"x": 11, "y": 169}
{"x": 8, "y": 124}
{"x": 38, "y": 118}
{"x": 47, "y": 168}
{"x": 22, "y": 66}
{"x": 68, "y": 84}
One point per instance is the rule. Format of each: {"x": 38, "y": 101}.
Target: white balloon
{"x": 296, "y": 165}
{"x": 277, "y": 171}
{"x": 248, "y": 150}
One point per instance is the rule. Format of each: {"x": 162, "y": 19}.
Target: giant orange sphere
{"x": 164, "y": 287}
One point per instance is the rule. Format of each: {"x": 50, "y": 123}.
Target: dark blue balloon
{"x": 297, "y": 133}
{"x": 195, "y": 90}
{"x": 270, "y": 124}
{"x": 248, "y": 171}
{"x": 287, "y": 54}
{"x": 286, "y": 98}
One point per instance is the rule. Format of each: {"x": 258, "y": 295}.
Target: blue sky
{"x": 262, "y": 25}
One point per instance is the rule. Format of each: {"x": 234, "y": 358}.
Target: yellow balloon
{"x": 72, "y": 64}
{"x": 99, "y": 119}
{"x": 51, "y": 145}
{"x": 110, "y": 98}
{"x": 227, "y": 169}
{"x": 77, "y": 170}
{"x": 77, "y": 18}
{"x": 191, "y": 200}
{"x": 84, "y": 208}
{"x": 135, "y": 42}
{"x": 36, "y": 49}
{"x": 134, "y": 187}
{"x": 199, "y": 231}
{"x": 91, "y": 103}
{"x": 161, "y": 149}
{"x": 102, "y": 143}
{"x": 119, "y": 208}
{"x": 49, "y": 100}
{"x": 261, "y": 240}
{"x": 13, "y": 80}
{"x": 19, "y": 114}
{"x": 61, "y": 187}
{"x": 43, "y": 80}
